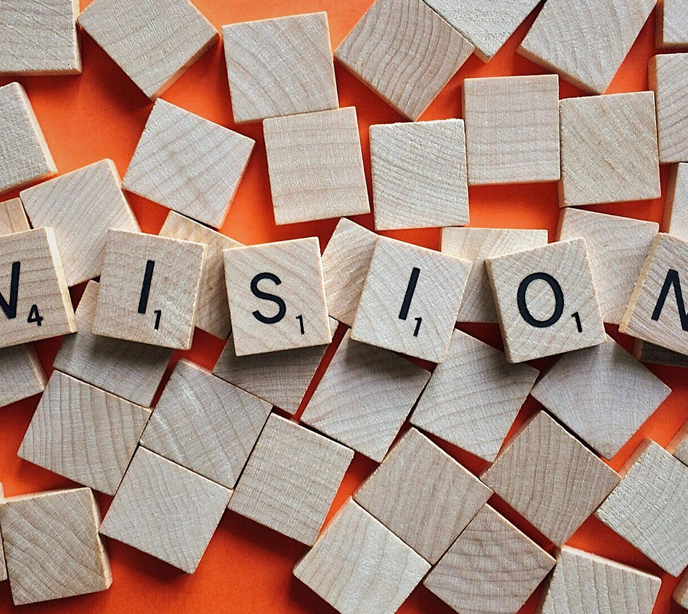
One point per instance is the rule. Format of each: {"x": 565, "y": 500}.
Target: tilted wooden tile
{"x": 668, "y": 76}
{"x": 655, "y": 354}
{"x": 676, "y": 209}
{"x": 13, "y": 217}
{"x": 409, "y": 60}
{"x": 3, "y": 564}
{"x": 21, "y": 374}
{"x": 678, "y": 446}
{"x": 672, "y": 24}
{"x": 680, "y": 594}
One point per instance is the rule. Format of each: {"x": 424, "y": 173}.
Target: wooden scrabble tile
{"x": 3, "y": 565}
{"x": 550, "y": 478}
{"x": 617, "y": 248}
{"x": 476, "y": 245}
{"x": 279, "y": 487}
{"x": 672, "y": 24}
{"x": 410, "y": 300}
{"x": 24, "y": 154}
{"x": 655, "y": 354}
{"x": 52, "y": 546}
{"x": 473, "y": 397}
{"x": 21, "y": 374}
{"x": 13, "y": 217}
{"x": 512, "y": 129}
{"x": 608, "y": 149}
{"x": 152, "y": 42}
{"x": 165, "y": 510}
{"x": 364, "y": 397}
{"x": 491, "y": 567}
{"x": 280, "y": 67}
{"x": 315, "y": 166}
{"x": 668, "y": 76}
{"x": 409, "y": 60}
{"x": 149, "y": 289}
{"x": 360, "y": 567}
{"x": 676, "y": 209}
{"x": 678, "y": 446}
{"x": 188, "y": 163}
{"x": 680, "y": 594}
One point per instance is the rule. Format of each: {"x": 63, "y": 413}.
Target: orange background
{"x": 247, "y": 568}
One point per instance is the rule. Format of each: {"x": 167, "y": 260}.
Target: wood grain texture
{"x": 13, "y": 217}
{"x": 21, "y": 374}
{"x": 364, "y": 397}
{"x": 672, "y": 24}
{"x": 668, "y": 75}
{"x": 655, "y": 354}
{"x": 680, "y": 594}
{"x": 405, "y": 52}
{"x": 676, "y": 209}
{"x": 550, "y": 478}
{"x": 3, "y": 564}
{"x": 678, "y": 446}
{"x": 279, "y": 487}
{"x": 315, "y": 166}
{"x": 473, "y": 397}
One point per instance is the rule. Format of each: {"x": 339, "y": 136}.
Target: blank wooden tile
{"x": 668, "y": 76}
{"x": 52, "y": 546}
{"x": 655, "y": 354}
{"x": 364, "y": 397}
{"x": 512, "y": 129}
{"x": 672, "y": 24}
{"x": 680, "y": 594}
{"x": 410, "y": 300}
{"x": 473, "y": 397}
{"x": 678, "y": 446}
{"x": 280, "y": 67}
{"x": 149, "y": 289}
{"x": 280, "y": 487}
{"x": 21, "y": 374}
{"x": 3, "y": 564}
{"x": 491, "y": 567}
{"x": 676, "y": 209}
{"x": 360, "y": 567}
{"x": 608, "y": 149}
{"x": 13, "y": 217}
{"x": 315, "y": 166}
{"x": 550, "y": 478}
{"x": 188, "y": 164}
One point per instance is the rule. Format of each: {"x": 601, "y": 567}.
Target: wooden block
{"x": 668, "y": 75}
{"x": 608, "y": 149}
{"x": 655, "y": 354}
{"x": 410, "y": 300}
{"x": 512, "y": 129}
{"x": 409, "y": 60}
{"x": 680, "y": 594}
{"x": 188, "y": 164}
{"x": 21, "y": 374}
{"x": 315, "y": 166}
{"x": 3, "y": 564}
{"x": 473, "y": 397}
{"x": 12, "y": 217}
{"x": 676, "y": 209}
{"x": 52, "y": 546}
{"x": 550, "y": 478}
{"x": 419, "y": 174}
{"x": 280, "y": 67}
{"x": 149, "y": 289}
{"x": 491, "y": 567}
{"x": 279, "y": 487}
{"x": 364, "y": 397}
{"x": 165, "y": 510}
{"x": 80, "y": 207}
{"x": 678, "y": 446}
{"x": 359, "y": 567}
{"x": 672, "y": 24}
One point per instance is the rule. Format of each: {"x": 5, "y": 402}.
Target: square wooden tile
{"x": 13, "y": 217}
{"x": 672, "y": 24}
{"x": 676, "y": 209}
{"x": 21, "y": 374}
{"x": 655, "y": 354}
{"x": 680, "y": 594}
{"x": 668, "y": 76}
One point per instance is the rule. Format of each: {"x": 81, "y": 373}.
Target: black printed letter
{"x": 282, "y": 307}
{"x": 558, "y": 298}
{"x": 10, "y": 308}
{"x": 671, "y": 280}
{"x": 145, "y": 289}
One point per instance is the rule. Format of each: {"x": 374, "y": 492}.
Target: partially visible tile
{"x": 676, "y": 209}
{"x": 680, "y": 594}
{"x": 3, "y": 564}
{"x": 13, "y": 217}
{"x": 678, "y": 446}
{"x": 672, "y": 24}
{"x": 655, "y": 354}
{"x": 668, "y": 76}
{"x": 21, "y": 374}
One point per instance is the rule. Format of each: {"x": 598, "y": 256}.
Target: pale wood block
{"x": 13, "y": 217}
{"x": 21, "y": 374}
{"x": 668, "y": 75}
{"x": 609, "y": 149}
{"x": 409, "y": 60}
{"x": 655, "y": 354}
{"x": 316, "y": 166}
{"x": 672, "y": 24}
{"x": 52, "y": 546}
{"x": 410, "y": 300}
{"x": 680, "y": 594}
{"x": 291, "y": 479}
{"x": 280, "y": 67}
{"x": 188, "y": 163}
{"x": 512, "y": 129}
{"x": 550, "y": 478}
{"x": 473, "y": 397}
{"x": 492, "y": 567}
{"x": 360, "y": 567}
{"x": 678, "y": 446}
{"x": 3, "y": 564}
{"x": 676, "y": 209}
{"x": 364, "y": 397}
{"x": 149, "y": 289}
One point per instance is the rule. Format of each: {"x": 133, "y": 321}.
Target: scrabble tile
{"x": 12, "y": 217}
{"x": 473, "y": 397}
{"x": 364, "y": 397}
{"x": 576, "y": 39}
{"x": 52, "y": 546}
{"x": 475, "y": 245}
{"x": 3, "y": 565}
{"x": 676, "y": 209}
{"x": 315, "y": 166}
{"x": 668, "y": 76}
{"x": 24, "y": 154}
{"x": 608, "y": 149}
{"x": 678, "y": 446}
{"x": 165, "y": 510}
{"x": 280, "y": 489}
{"x": 188, "y": 164}
{"x": 419, "y": 174}
{"x": 680, "y": 594}
{"x": 491, "y": 567}
{"x": 426, "y": 53}
{"x": 422, "y": 495}
{"x": 410, "y": 300}
{"x": 149, "y": 289}
{"x": 152, "y": 42}
{"x": 276, "y": 296}
{"x": 672, "y": 24}
{"x": 280, "y": 67}
{"x": 550, "y": 478}
{"x": 21, "y": 374}
{"x": 512, "y": 129}
{"x": 360, "y": 567}
{"x": 654, "y": 354}
{"x": 617, "y": 248}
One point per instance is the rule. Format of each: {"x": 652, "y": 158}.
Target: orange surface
{"x": 247, "y": 568}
